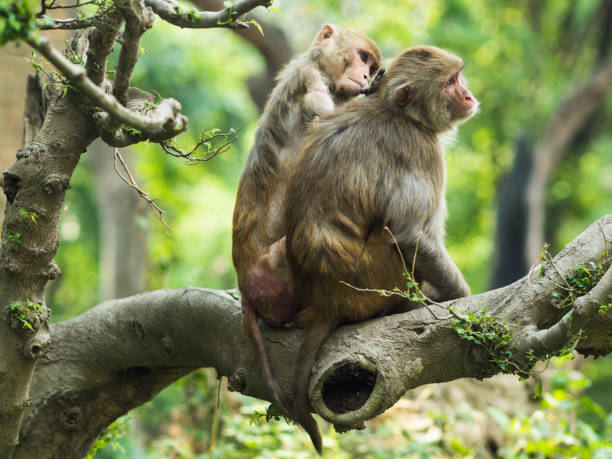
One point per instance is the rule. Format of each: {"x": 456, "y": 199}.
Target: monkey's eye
{"x": 450, "y": 82}
{"x": 373, "y": 70}
{"x": 364, "y": 56}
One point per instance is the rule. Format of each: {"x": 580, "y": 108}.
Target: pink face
{"x": 462, "y": 102}
{"x": 357, "y": 74}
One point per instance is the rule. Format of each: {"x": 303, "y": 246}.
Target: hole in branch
{"x": 348, "y": 388}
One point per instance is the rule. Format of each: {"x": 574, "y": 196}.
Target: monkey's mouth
{"x": 361, "y": 84}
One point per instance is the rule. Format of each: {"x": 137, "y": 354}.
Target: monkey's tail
{"x": 250, "y": 324}
{"x": 315, "y": 334}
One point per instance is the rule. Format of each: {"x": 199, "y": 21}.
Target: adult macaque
{"x": 337, "y": 67}
{"x": 372, "y": 164}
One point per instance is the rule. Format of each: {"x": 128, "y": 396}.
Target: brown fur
{"x": 373, "y": 163}
{"x": 311, "y": 85}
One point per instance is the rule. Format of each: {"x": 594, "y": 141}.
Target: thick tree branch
{"x": 101, "y": 42}
{"x": 585, "y": 309}
{"x": 362, "y": 369}
{"x": 138, "y": 19}
{"x": 164, "y": 121}
{"x": 175, "y": 13}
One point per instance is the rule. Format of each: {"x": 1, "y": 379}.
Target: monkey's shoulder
{"x": 296, "y": 78}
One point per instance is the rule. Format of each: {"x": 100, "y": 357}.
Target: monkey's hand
{"x": 436, "y": 268}
{"x": 317, "y": 102}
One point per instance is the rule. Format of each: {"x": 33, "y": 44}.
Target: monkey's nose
{"x": 365, "y": 77}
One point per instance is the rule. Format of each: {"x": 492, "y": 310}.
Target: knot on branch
{"x": 31, "y": 152}
{"x": 237, "y": 381}
{"x": 36, "y": 346}
{"x": 153, "y": 122}
{"x": 70, "y": 418}
{"x": 54, "y": 183}
{"x": 52, "y": 272}
{"x": 56, "y": 146}
{"x": 168, "y": 345}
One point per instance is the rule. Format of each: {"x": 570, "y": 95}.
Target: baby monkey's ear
{"x": 375, "y": 83}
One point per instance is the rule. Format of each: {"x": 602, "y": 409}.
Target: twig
{"x": 66, "y": 24}
{"x": 416, "y": 246}
{"x": 190, "y": 156}
{"x": 158, "y": 211}
{"x": 373, "y": 290}
{"x": 603, "y": 235}
{"x": 174, "y": 13}
{"x": 388, "y": 230}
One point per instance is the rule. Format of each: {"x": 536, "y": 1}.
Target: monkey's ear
{"x": 326, "y": 32}
{"x": 403, "y": 95}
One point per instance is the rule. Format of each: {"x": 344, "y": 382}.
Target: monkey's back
{"x": 349, "y": 168}
{"x": 258, "y": 209}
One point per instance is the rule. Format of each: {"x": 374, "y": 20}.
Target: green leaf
{"x": 538, "y": 391}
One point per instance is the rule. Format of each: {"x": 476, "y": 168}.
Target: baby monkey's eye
{"x": 450, "y": 82}
{"x": 364, "y": 56}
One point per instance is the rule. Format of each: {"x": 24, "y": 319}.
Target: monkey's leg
{"x": 434, "y": 265}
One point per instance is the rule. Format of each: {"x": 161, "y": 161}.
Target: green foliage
{"x": 27, "y": 314}
{"x": 53, "y": 77}
{"x": 411, "y": 292}
{"x": 211, "y": 87}
{"x": 486, "y": 331}
{"x": 231, "y": 14}
{"x": 271, "y": 413}
{"x": 17, "y": 20}
{"x": 579, "y": 283}
{"x": 31, "y": 216}
{"x": 13, "y": 236}
{"x": 111, "y": 436}
{"x": 558, "y": 429}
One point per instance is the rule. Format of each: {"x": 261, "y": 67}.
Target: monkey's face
{"x": 460, "y": 101}
{"x": 360, "y": 66}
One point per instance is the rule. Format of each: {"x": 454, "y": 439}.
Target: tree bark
{"x": 122, "y": 352}
{"x": 35, "y": 186}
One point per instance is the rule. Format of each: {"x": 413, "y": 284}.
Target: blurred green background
{"x": 523, "y": 58}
